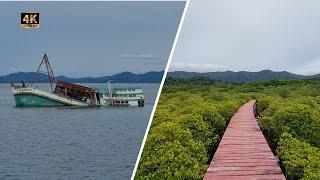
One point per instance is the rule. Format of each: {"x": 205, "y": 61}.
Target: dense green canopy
{"x": 192, "y": 115}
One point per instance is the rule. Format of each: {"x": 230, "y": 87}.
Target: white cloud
{"x": 250, "y": 35}
{"x": 138, "y": 56}
{"x": 310, "y": 68}
{"x": 192, "y": 67}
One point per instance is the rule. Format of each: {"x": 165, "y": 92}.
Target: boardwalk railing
{"x": 243, "y": 152}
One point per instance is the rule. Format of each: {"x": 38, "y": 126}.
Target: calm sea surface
{"x": 71, "y": 143}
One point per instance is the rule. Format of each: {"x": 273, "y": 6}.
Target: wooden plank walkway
{"x": 243, "y": 152}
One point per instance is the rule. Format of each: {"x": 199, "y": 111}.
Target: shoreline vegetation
{"x": 192, "y": 115}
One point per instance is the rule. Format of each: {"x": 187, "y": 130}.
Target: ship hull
{"x": 34, "y": 100}
{"x": 29, "y": 96}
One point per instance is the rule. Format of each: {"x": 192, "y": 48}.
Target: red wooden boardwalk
{"x": 243, "y": 152}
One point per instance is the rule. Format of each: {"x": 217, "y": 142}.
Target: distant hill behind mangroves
{"x": 124, "y": 77}
{"x": 242, "y": 76}
{"x": 156, "y": 77}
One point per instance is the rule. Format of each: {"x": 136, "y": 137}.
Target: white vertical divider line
{"x": 160, "y": 89}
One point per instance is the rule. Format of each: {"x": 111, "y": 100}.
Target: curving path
{"x": 243, "y": 152}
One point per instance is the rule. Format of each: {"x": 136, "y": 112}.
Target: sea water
{"x": 71, "y": 143}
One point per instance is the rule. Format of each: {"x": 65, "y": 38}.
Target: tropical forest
{"x": 192, "y": 115}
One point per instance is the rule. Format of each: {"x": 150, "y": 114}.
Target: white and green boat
{"x": 70, "y": 94}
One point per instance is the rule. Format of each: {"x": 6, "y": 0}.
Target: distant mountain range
{"x": 242, "y": 76}
{"x": 124, "y": 77}
{"x": 155, "y": 77}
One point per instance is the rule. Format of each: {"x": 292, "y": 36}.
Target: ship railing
{"x": 129, "y": 92}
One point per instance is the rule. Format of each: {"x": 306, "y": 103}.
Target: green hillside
{"x": 242, "y": 76}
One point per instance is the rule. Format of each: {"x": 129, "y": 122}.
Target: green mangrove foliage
{"x": 301, "y": 160}
{"x": 192, "y": 115}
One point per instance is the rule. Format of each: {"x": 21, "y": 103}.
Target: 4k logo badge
{"x": 30, "y": 20}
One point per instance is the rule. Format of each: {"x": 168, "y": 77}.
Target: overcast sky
{"x": 250, "y": 35}
{"x": 89, "y": 38}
